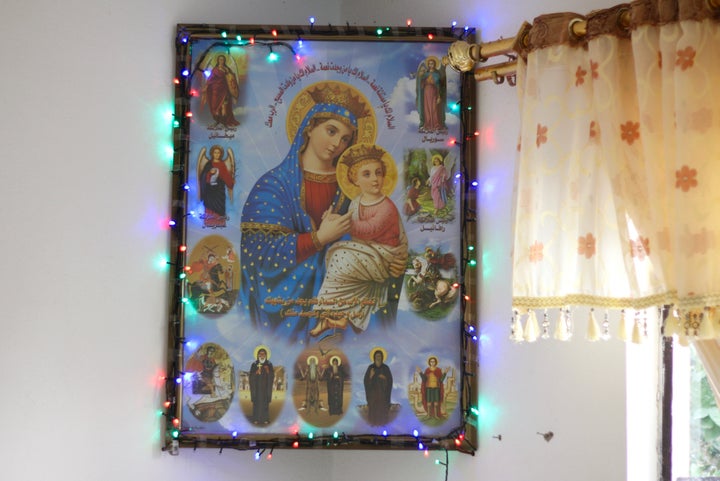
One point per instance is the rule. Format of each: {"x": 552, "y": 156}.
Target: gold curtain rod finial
{"x": 462, "y": 56}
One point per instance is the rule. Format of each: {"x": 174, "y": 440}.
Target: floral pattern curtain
{"x": 618, "y": 178}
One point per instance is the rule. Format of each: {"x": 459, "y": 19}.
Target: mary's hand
{"x": 332, "y": 227}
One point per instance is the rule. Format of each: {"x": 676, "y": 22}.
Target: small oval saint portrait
{"x": 210, "y": 382}
{"x": 379, "y": 410}
{"x": 433, "y": 393}
{"x": 262, "y": 388}
{"x": 431, "y": 284}
{"x": 213, "y": 275}
{"x": 321, "y": 388}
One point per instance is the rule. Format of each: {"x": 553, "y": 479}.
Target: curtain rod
{"x": 463, "y": 56}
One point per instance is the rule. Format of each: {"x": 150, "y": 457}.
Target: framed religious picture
{"x": 322, "y": 238}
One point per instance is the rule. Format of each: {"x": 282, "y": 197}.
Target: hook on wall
{"x": 547, "y": 436}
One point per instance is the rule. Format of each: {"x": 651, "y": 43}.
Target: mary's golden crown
{"x": 342, "y": 96}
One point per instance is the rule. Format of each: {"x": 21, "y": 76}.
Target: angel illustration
{"x": 221, "y": 90}
{"x": 431, "y": 93}
{"x": 439, "y": 181}
{"x": 216, "y": 179}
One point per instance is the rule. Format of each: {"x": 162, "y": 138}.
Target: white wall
{"x": 85, "y": 190}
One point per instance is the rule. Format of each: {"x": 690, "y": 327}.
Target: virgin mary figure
{"x": 296, "y": 210}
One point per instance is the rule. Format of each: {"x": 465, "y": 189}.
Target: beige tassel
{"x": 672, "y": 325}
{"x": 715, "y": 320}
{"x": 593, "y": 331}
{"x": 622, "y": 328}
{"x": 682, "y": 337}
{"x": 516, "y": 329}
{"x": 561, "y": 328}
{"x": 715, "y": 316}
{"x": 532, "y": 328}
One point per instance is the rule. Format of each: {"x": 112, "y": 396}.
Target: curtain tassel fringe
{"x": 516, "y": 328}
{"x": 532, "y": 327}
{"x": 707, "y": 329}
{"x": 637, "y": 337}
{"x": 562, "y": 333}
{"x": 622, "y": 328}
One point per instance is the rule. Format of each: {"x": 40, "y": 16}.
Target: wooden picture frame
{"x": 322, "y": 218}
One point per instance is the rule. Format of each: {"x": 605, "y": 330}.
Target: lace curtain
{"x": 618, "y": 177}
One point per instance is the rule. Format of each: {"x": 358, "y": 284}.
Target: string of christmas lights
{"x": 278, "y": 40}
{"x": 198, "y": 31}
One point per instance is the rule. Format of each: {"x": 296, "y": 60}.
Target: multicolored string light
{"x": 176, "y": 435}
